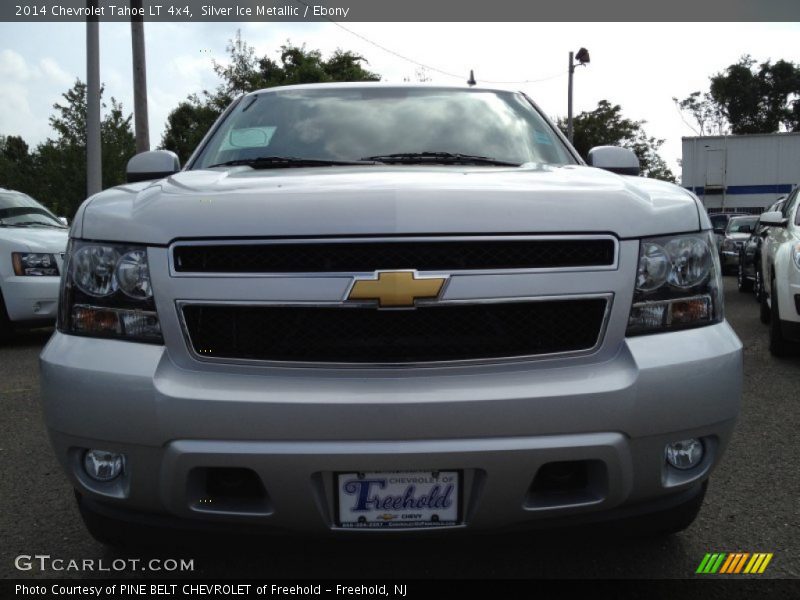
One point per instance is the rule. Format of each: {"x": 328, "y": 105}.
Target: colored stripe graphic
{"x": 734, "y": 563}
{"x": 732, "y": 559}
{"x": 765, "y": 563}
{"x": 711, "y": 563}
{"x": 703, "y": 563}
{"x": 739, "y": 566}
{"x": 725, "y": 563}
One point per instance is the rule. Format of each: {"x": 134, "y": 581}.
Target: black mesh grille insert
{"x": 324, "y": 257}
{"x": 368, "y": 335}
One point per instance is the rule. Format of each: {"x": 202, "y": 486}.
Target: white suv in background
{"x": 32, "y": 245}
{"x": 780, "y": 256}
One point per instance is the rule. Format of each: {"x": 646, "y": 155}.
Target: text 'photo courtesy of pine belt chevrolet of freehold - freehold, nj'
{"x": 323, "y": 300}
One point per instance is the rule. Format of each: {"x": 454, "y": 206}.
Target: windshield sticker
{"x": 249, "y": 137}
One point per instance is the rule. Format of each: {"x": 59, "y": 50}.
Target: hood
{"x": 34, "y": 239}
{"x": 386, "y": 200}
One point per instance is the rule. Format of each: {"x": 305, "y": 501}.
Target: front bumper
{"x": 295, "y": 428}
{"x": 31, "y": 299}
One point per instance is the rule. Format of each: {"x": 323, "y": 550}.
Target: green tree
{"x": 706, "y": 113}
{"x": 55, "y": 172}
{"x": 15, "y": 163}
{"x": 187, "y": 124}
{"x": 748, "y": 97}
{"x": 605, "y": 126}
{"x": 245, "y": 72}
{"x": 61, "y": 162}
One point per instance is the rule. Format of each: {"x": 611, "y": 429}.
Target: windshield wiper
{"x": 440, "y": 157}
{"x": 29, "y": 223}
{"x": 278, "y": 162}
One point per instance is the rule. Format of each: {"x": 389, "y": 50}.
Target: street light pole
{"x": 583, "y": 59}
{"x": 94, "y": 164}
{"x": 141, "y": 124}
{"x": 569, "y": 96}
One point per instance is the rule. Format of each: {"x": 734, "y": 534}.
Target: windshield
{"x": 742, "y": 224}
{"x": 360, "y": 123}
{"x": 20, "y": 210}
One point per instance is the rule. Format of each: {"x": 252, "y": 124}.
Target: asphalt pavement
{"x": 752, "y": 505}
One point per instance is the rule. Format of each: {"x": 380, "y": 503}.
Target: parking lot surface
{"x": 752, "y": 504}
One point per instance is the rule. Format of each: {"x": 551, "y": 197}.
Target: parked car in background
{"x": 749, "y": 276}
{"x": 719, "y": 222}
{"x": 737, "y": 231}
{"x": 32, "y": 245}
{"x": 780, "y": 264}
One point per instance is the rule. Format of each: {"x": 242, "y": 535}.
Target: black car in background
{"x": 739, "y": 229}
{"x": 749, "y": 272}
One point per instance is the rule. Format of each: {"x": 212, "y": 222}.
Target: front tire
{"x": 778, "y": 345}
{"x": 764, "y": 310}
{"x": 758, "y": 285}
{"x": 5, "y": 323}
{"x": 742, "y": 282}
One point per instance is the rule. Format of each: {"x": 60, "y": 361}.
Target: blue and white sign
{"x": 398, "y": 499}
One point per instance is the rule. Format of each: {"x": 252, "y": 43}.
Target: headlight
{"x": 92, "y": 269}
{"x": 106, "y": 292}
{"x": 678, "y": 284}
{"x": 796, "y": 255}
{"x": 34, "y": 264}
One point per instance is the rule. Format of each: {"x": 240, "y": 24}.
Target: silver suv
{"x": 365, "y": 307}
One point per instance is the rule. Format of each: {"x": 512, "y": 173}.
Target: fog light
{"x": 685, "y": 454}
{"x": 102, "y": 465}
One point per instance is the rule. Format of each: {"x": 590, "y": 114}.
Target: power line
{"x": 528, "y": 80}
{"x": 425, "y": 66}
{"x": 397, "y": 54}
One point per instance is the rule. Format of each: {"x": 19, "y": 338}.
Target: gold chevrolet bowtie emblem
{"x": 396, "y": 289}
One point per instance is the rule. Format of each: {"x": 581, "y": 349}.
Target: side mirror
{"x": 773, "y": 218}
{"x": 155, "y": 164}
{"x": 719, "y": 230}
{"x": 614, "y": 159}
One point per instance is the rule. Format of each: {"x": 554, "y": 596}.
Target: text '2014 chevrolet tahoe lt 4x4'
{"x": 365, "y": 307}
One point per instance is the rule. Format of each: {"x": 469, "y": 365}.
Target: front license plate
{"x": 400, "y": 499}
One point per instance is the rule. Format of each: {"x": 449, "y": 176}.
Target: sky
{"x": 640, "y": 66}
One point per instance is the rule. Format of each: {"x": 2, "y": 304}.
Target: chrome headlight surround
{"x": 678, "y": 284}
{"x": 106, "y": 292}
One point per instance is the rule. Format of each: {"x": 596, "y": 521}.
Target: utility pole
{"x": 583, "y": 60}
{"x": 141, "y": 123}
{"x": 94, "y": 160}
{"x": 569, "y": 96}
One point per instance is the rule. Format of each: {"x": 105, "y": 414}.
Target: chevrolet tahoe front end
{"x": 389, "y": 341}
